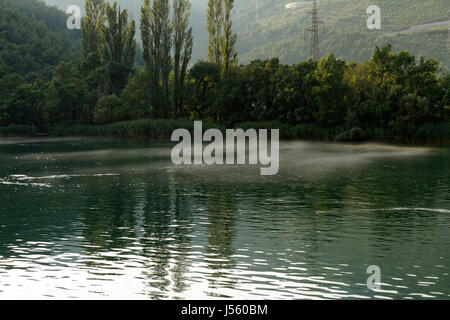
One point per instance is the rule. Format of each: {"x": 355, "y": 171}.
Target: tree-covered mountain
{"x": 34, "y": 39}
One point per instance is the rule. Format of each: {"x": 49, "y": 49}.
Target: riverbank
{"x": 162, "y": 129}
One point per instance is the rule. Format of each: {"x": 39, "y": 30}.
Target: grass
{"x": 431, "y": 133}
{"x": 144, "y": 128}
{"x": 18, "y": 130}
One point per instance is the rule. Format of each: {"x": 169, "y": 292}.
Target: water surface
{"x": 98, "y": 218}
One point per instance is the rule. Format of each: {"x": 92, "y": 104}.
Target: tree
{"x": 445, "y": 85}
{"x": 233, "y": 104}
{"x": 206, "y": 76}
{"x": 215, "y": 20}
{"x": 150, "y": 43}
{"x": 331, "y": 94}
{"x": 107, "y": 109}
{"x": 68, "y": 96}
{"x": 8, "y": 86}
{"x": 93, "y": 20}
{"x": 136, "y": 100}
{"x": 183, "y": 43}
{"x": 222, "y": 41}
{"x": 28, "y": 104}
{"x": 258, "y": 75}
{"x": 228, "y": 39}
{"x": 361, "y": 109}
{"x": 156, "y": 30}
{"x": 162, "y": 11}
{"x": 406, "y": 90}
{"x": 118, "y": 47}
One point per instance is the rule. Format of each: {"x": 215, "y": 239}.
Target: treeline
{"x": 390, "y": 96}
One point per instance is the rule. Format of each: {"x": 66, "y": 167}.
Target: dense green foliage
{"x": 33, "y": 39}
{"x": 391, "y": 96}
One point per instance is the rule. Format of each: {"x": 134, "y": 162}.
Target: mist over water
{"x": 99, "y": 218}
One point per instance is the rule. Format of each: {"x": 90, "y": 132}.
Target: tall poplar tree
{"x": 183, "y": 43}
{"x": 118, "y": 47}
{"x": 222, "y": 40}
{"x": 91, "y": 67}
{"x": 214, "y": 19}
{"x": 150, "y": 43}
{"x": 94, "y": 18}
{"x": 228, "y": 39}
{"x": 162, "y": 11}
{"x": 156, "y": 29}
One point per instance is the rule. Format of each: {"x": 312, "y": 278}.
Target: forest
{"x": 70, "y": 82}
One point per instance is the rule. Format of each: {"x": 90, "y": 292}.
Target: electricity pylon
{"x": 315, "y": 21}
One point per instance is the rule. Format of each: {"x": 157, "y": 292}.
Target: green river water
{"x": 103, "y": 218}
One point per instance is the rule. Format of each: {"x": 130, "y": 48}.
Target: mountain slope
{"x": 274, "y": 30}
{"x": 266, "y": 28}
{"x": 34, "y": 39}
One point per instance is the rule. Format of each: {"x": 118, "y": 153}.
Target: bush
{"x": 353, "y": 135}
{"x": 144, "y": 128}
{"x": 107, "y": 109}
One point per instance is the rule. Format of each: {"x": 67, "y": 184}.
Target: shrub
{"x": 107, "y": 109}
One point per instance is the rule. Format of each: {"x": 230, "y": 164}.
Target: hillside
{"x": 275, "y": 30}
{"x": 267, "y": 29}
{"x": 34, "y": 39}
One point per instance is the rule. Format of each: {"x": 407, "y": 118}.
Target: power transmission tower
{"x": 315, "y": 21}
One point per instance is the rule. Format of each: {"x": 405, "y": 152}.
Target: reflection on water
{"x": 84, "y": 218}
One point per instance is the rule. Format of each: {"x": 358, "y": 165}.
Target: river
{"x": 104, "y": 218}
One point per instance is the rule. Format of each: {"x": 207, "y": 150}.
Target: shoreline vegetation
{"x": 100, "y": 90}
{"x": 428, "y": 134}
